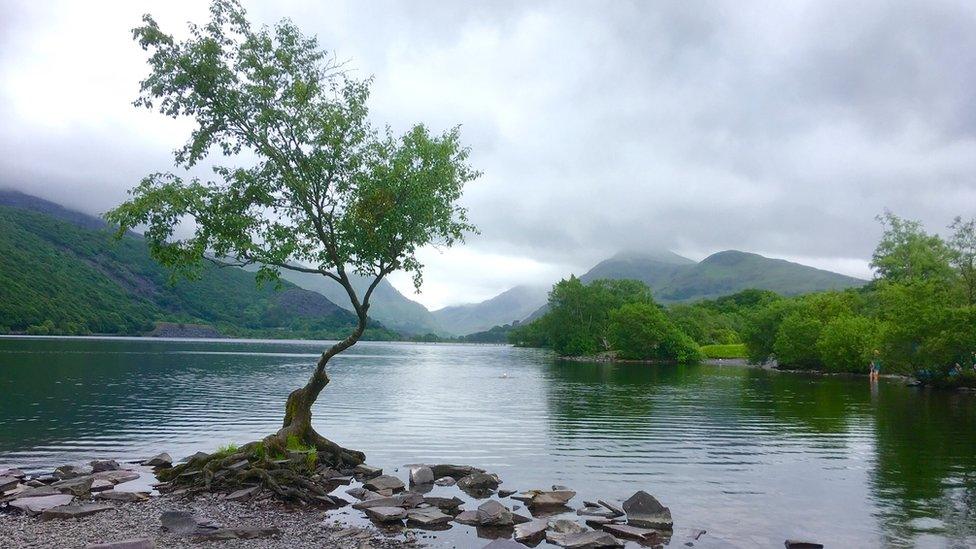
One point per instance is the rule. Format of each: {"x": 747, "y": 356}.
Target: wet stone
{"x": 385, "y": 482}
{"x": 76, "y": 486}
{"x": 159, "y": 460}
{"x": 431, "y": 516}
{"x": 469, "y": 518}
{"x": 493, "y": 513}
{"x": 386, "y": 514}
{"x": 100, "y": 465}
{"x": 800, "y": 544}
{"x": 504, "y": 544}
{"x": 70, "y": 471}
{"x": 531, "y": 532}
{"x": 100, "y": 485}
{"x": 123, "y": 497}
{"x": 367, "y": 471}
{"x": 421, "y": 475}
{"x": 8, "y": 483}
{"x": 444, "y": 503}
{"x": 632, "y": 532}
{"x": 587, "y": 540}
{"x": 118, "y": 477}
{"x": 445, "y": 481}
{"x": 457, "y": 472}
{"x": 644, "y": 510}
{"x": 595, "y": 512}
{"x": 62, "y": 512}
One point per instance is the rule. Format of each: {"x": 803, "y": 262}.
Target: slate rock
{"x": 39, "y": 504}
{"x": 469, "y": 518}
{"x": 616, "y": 509}
{"x": 116, "y": 477}
{"x": 479, "y": 481}
{"x": 406, "y": 500}
{"x": 138, "y": 543}
{"x": 506, "y": 493}
{"x": 358, "y": 492}
{"x": 599, "y": 511}
{"x": 430, "y": 516}
{"x": 504, "y": 544}
{"x": 367, "y": 471}
{"x": 62, "y": 512}
{"x": 531, "y": 532}
{"x": 124, "y": 497}
{"x": 644, "y": 510}
{"x": 542, "y": 498}
{"x": 444, "y": 503}
{"x": 184, "y": 522}
{"x": 457, "y": 472}
{"x": 70, "y": 471}
{"x": 12, "y": 472}
{"x": 37, "y": 491}
{"x": 76, "y": 486}
{"x": 632, "y": 532}
{"x": 100, "y": 465}
{"x": 100, "y": 485}
{"x": 385, "y": 482}
{"x": 386, "y": 514}
{"x": 421, "y": 475}
{"x": 8, "y": 482}
{"x": 159, "y": 460}
{"x": 585, "y": 540}
{"x": 493, "y": 513}
{"x": 445, "y": 481}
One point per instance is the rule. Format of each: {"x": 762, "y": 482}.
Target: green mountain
{"x": 512, "y": 305}
{"x": 62, "y": 272}
{"x": 387, "y": 305}
{"x": 677, "y": 279}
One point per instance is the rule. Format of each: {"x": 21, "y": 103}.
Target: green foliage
{"x": 319, "y": 185}
{"x": 641, "y": 331}
{"x": 962, "y": 246}
{"x": 796, "y": 341}
{"x": 226, "y": 450}
{"x": 907, "y": 254}
{"x": 735, "y": 350}
{"x": 846, "y": 343}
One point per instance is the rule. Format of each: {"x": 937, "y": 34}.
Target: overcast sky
{"x": 780, "y": 128}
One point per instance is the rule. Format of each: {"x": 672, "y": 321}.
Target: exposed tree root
{"x": 290, "y": 467}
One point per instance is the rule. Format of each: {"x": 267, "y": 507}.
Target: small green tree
{"x": 962, "y": 245}
{"x": 641, "y": 331}
{"x": 316, "y": 188}
{"x": 906, "y": 253}
{"x": 847, "y": 343}
{"x": 796, "y": 340}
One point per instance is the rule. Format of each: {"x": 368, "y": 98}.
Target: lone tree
{"x": 316, "y": 189}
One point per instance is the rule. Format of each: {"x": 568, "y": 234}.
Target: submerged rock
{"x": 632, "y": 532}
{"x": 646, "y": 511}
{"x": 457, "y": 472}
{"x": 430, "y": 516}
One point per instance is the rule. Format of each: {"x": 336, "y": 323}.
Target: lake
{"x": 751, "y": 456}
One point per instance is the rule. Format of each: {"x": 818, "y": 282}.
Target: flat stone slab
{"x": 63, "y": 512}
{"x": 100, "y": 485}
{"x": 367, "y": 471}
{"x": 457, "y": 472}
{"x": 385, "y": 482}
{"x": 8, "y": 482}
{"x": 493, "y": 513}
{"x": 469, "y": 518}
{"x": 39, "y": 504}
{"x": 430, "y": 516}
{"x": 407, "y": 500}
{"x": 598, "y": 511}
{"x": 631, "y": 532}
{"x": 77, "y": 486}
{"x": 586, "y": 540}
{"x": 504, "y": 544}
{"x": 543, "y": 498}
{"x": 444, "y": 503}
{"x": 184, "y": 522}
{"x": 138, "y": 543}
{"x": 616, "y": 509}
{"x": 386, "y": 514}
{"x": 243, "y": 494}
{"x": 121, "y": 496}
{"x": 116, "y": 477}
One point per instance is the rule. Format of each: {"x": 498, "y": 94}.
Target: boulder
{"x": 120, "y": 496}
{"x": 585, "y": 540}
{"x": 138, "y": 543}
{"x": 76, "y": 486}
{"x": 100, "y": 465}
{"x": 39, "y": 504}
{"x": 493, "y": 513}
{"x": 421, "y": 475}
{"x": 385, "y": 482}
{"x": 632, "y": 532}
{"x": 62, "y": 512}
{"x": 469, "y": 518}
{"x": 159, "y": 460}
{"x": 799, "y": 544}
{"x": 644, "y": 510}
{"x": 246, "y": 532}
{"x": 457, "y": 472}
{"x": 449, "y": 504}
{"x": 358, "y": 492}
{"x": 531, "y": 532}
{"x": 430, "y": 516}
{"x": 386, "y": 514}
{"x": 70, "y": 471}
{"x": 116, "y": 477}
{"x": 445, "y": 481}
{"x": 243, "y": 493}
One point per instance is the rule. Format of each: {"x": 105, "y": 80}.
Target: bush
{"x": 796, "y": 341}
{"x": 641, "y": 331}
{"x": 735, "y": 350}
{"x": 846, "y": 343}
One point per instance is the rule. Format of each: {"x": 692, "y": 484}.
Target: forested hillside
{"x": 62, "y": 272}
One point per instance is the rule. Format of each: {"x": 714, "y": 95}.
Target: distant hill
{"x": 509, "y": 306}
{"x": 62, "y": 271}
{"x": 675, "y": 279}
{"x": 387, "y": 305}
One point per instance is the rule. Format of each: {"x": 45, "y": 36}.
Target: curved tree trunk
{"x": 298, "y": 411}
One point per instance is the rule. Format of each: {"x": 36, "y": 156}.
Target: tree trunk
{"x": 297, "y": 424}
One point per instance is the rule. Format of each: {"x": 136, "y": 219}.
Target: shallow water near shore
{"x": 751, "y": 456}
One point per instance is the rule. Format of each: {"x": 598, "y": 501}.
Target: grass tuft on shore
{"x": 735, "y": 350}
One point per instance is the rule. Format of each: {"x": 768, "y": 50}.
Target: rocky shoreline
{"x": 107, "y": 505}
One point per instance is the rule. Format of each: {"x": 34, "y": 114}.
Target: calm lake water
{"x": 751, "y": 456}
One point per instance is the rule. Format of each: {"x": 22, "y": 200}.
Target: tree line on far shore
{"x": 917, "y": 317}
